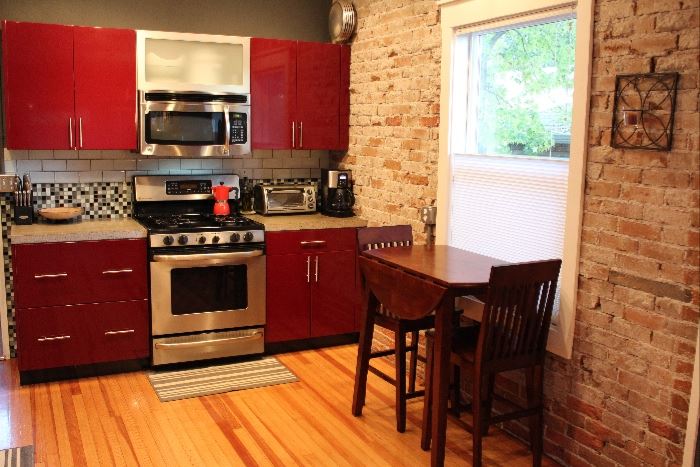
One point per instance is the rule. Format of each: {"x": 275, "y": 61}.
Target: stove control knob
{"x": 202, "y": 239}
{"x": 215, "y": 239}
{"x": 182, "y": 240}
{"x": 168, "y": 240}
{"x": 248, "y": 236}
{"x": 235, "y": 237}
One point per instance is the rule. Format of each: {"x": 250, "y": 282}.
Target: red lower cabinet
{"x": 80, "y": 303}
{"x": 311, "y": 284}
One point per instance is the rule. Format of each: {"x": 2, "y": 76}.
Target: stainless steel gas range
{"x": 207, "y": 273}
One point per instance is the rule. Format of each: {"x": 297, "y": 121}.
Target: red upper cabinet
{"x": 273, "y": 89}
{"x": 38, "y": 85}
{"x": 105, "y": 88}
{"x": 299, "y": 94}
{"x": 66, "y": 85}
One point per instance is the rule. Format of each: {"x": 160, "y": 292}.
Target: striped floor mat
{"x": 17, "y": 457}
{"x": 182, "y": 384}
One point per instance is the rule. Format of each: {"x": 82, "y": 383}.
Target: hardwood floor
{"x": 118, "y": 420}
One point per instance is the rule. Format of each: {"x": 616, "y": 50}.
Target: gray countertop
{"x": 306, "y": 222}
{"x": 99, "y": 229}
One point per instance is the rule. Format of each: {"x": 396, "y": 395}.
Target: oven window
{"x": 213, "y": 288}
{"x": 286, "y": 199}
{"x": 185, "y": 128}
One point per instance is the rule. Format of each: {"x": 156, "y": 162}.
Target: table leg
{"x": 364, "y": 349}
{"x": 441, "y": 377}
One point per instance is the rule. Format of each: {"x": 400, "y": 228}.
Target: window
{"x": 513, "y": 137}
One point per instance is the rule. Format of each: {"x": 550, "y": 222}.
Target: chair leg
{"x": 456, "y": 390}
{"x": 364, "y": 349}
{"x": 488, "y": 404}
{"x": 414, "y": 362}
{"x": 534, "y": 381}
{"x": 400, "y": 356}
{"x": 427, "y": 400}
{"x": 478, "y": 419}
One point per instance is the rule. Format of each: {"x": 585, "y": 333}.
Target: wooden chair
{"x": 512, "y": 335}
{"x": 371, "y": 238}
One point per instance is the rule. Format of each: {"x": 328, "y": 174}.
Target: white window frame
{"x": 458, "y": 15}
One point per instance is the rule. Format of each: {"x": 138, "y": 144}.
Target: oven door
{"x": 196, "y": 292}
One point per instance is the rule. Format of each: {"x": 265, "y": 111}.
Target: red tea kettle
{"x": 221, "y": 207}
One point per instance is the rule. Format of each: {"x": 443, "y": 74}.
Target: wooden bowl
{"x": 60, "y": 214}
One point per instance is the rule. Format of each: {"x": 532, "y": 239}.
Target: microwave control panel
{"x": 239, "y": 128}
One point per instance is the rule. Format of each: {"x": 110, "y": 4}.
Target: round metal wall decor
{"x": 341, "y": 21}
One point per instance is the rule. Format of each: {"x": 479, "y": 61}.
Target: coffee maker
{"x": 337, "y": 198}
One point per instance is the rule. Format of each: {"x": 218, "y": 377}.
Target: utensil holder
{"x": 24, "y": 215}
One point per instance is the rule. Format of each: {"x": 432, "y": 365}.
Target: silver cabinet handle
{"x": 227, "y": 121}
{"x": 308, "y": 269}
{"x": 70, "y": 132}
{"x": 317, "y": 269}
{"x": 50, "y": 276}
{"x": 161, "y": 345}
{"x": 57, "y": 338}
{"x": 312, "y": 243}
{"x": 294, "y": 130}
{"x": 123, "y": 331}
{"x": 301, "y": 135}
{"x": 117, "y": 271}
{"x": 80, "y": 132}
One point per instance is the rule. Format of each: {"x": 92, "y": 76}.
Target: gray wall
{"x": 284, "y": 19}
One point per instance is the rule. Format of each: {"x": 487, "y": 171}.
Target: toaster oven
{"x": 284, "y": 199}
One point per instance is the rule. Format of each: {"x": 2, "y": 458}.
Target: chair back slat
{"x": 404, "y": 294}
{"x": 372, "y": 238}
{"x": 517, "y": 312}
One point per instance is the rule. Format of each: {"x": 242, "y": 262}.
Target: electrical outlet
{"x": 8, "y": 183}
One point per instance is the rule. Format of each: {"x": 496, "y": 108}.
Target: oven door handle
{"x": 184, "y": 345}
{"x": 204, "y": 257}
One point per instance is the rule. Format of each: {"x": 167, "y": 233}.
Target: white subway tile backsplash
{"x": 23, "y": 166}
{"x": 53, "y": 165}
{"x": 89, "y": 154}
{"x": 191, "y": 163}
{"x": 125, "y": 164}
{"x": 169, "y": 164}
{"x": 65, "y": 154}
{"x": 106, "y": 164}
{"x": 281, "y": 173}
{"x": 147, "y": 164}
{"x": 78, "y": 165}
{"x": 282, "y": 152}
{"x": 301, "y": 173}
{"x": 90, "y": 176}
{"x": 211, "y": 163}
{"x": 41, "y": 154}
{"x": 66, "y": 177}
{"x": 16, "y": 154}
{"x": 201, "y": 172}
{"x": 262, "y": 153}
{"x": 42, "y": 177}
{"x": 232, "y": 164}
{"x": 113, "y": 176}
{"x": 252, "y": 163}
{"x": 272, "y": 163}
{"x": 262, "y": 173}
{"x": 300, "y": 153}
{"x": 8, "y": 167}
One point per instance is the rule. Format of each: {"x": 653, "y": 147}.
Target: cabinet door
{"x": 119, "y": 330}
{"x": 105, "y": 88}
{"x": 318, "y": 95}
{"x": 288, "y": 299}
{"x": 333, "y": 299}
{"x": 273, "y": 88}
{"x": 344, "y": 107}
{"x": 38, "y": 85}
{"x": 52, "y": 337}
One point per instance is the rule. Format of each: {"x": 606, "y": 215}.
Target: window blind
{"x": 510, "y": 208}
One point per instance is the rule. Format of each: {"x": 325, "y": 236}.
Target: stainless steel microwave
{"x": 284, "y": 198}
{"x": 193, "y": 124}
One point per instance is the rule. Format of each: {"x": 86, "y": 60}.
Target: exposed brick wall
{"x": 623, "y": 397}
{"x": 394, "y": 96}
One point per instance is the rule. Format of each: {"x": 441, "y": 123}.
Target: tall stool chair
{"x": 370, "y": 238}
{"x": 512, "y": 335}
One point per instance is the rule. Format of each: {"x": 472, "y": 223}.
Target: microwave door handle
{"x": 227, "y": 122}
